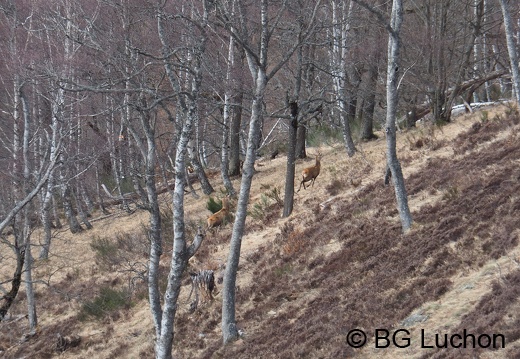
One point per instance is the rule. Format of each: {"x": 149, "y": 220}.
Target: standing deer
{"x": 311, "y": 173}
{"x": 217, "y": 218}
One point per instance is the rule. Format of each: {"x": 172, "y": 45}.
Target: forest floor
{"x": 338, "y": 263}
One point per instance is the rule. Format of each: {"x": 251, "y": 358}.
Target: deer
{"x": 217, "y": 218}
{"x": 311, "y": 173}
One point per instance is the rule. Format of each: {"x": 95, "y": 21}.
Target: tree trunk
{"x": 293, "y": 130}
{"x": 154, "y": 294}
{"x": 291, "y": 158}
{"x": 370, "y": 103}
{"x": 66, "y": 200}
{"x": 229, "y": 327}
{"x": 207, "y": 188}
{"x": 55, "y": 214}
{"x": 236, "y": 116}
{"x": 98, "y": 192}
{"x": 135, "y": 169}
{"x": 224, "y": 154}
{"x": 353, "y": 92}
{"x": 81, "y": 211}
{"x": 511, "y": 49}
{"x": 301, "y": 134}
{"x": 224, "y": 164}
{"x": 347, "y": 132}
{"x": 86, "y": 198}
{"x": 392, "y": 99}
{"x": 148, "y": 150}
{"x": 115, "y": 159}
{"x": 341, "y": 28}
{"x": 187, "y": 107}
{"x": 48, "y": 195}
{"x": 180, "y": 256}
{"x": 258, "y": 65}
{"x": 29, "y": 289}
{"x": 234, "y": 136}
{"x": 46, "y": 222}
{"x": 26, "y": 231}
{"x": 9, "y": 298}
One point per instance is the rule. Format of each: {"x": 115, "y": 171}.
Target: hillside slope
{"x": 339, "y": 263}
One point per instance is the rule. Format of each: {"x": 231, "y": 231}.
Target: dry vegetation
{"x": 340, "y": 262}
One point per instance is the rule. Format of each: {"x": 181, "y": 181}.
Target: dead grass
{"x": 304, "y": 282}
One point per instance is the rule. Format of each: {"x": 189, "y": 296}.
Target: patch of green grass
{"x": 273, "y": 193}
{"x": 214, "y": 205}
{"x": 258, "y": 210}
{"x": 268, "y": 201}
{"x": 107, "y": 302}
{"x": 105, "y": 252}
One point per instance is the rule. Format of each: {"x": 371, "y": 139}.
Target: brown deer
{"x": 311, "y": 173}
{"x": 218, "y": 218}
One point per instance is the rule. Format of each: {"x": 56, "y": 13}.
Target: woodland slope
{"x": 340, "y": 262}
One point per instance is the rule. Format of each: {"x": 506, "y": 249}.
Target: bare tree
{"x": 26, "y": 178}
{"x": 257, "y": 59}
{"x": 291, "y": 157}
{"x": 511, "y": 48}
{"x": 226, "y": 114}
{"x": 26, "y": 229}
{"x": 392, "y": 100}
{"x": 187, "y": 104}
{"x": 235, "y": 123}
{"x": 341, "y": 24}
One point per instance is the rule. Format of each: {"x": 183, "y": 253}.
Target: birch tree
{"x": 394, "y": 169}
{"x": 391, "y": 110}
{"x": 138, "y": 66}
{"x": 26, "y": 179}
{"x": 291, "y": 157}
{"x": 187, "y": 106}
{"x": 236, "y": 115}
{"x": 31, "y": 184}
{"x": 257, "y": 55}
{"x": 226, "y": 114}
{"x": 303, "y": 103}
{"x": 511, "y": 48}
{"x": 341, "y": 22}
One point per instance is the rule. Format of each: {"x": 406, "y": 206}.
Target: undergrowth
{"x": 107, "y": 303}
{"x": 378, "y": 276}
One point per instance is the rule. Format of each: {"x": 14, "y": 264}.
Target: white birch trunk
{"x": 224, "y": 164}
{"x": 511, "y": 48}
{"x": 341, "y": 22}
{"x": 26, "y": 232}
{"x": 392, "y": 99}
{"x": 229, "y": 328}
{"x": 258, "y": 72}
{"x": 187, "y": 106}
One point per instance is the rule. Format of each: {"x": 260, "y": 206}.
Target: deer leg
{"x": 314, "y": 180}
{"x": 301, "y": 183}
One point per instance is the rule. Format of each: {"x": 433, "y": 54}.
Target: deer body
{"x": 311, "y": 173}
{"x": 217, "y": 218}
